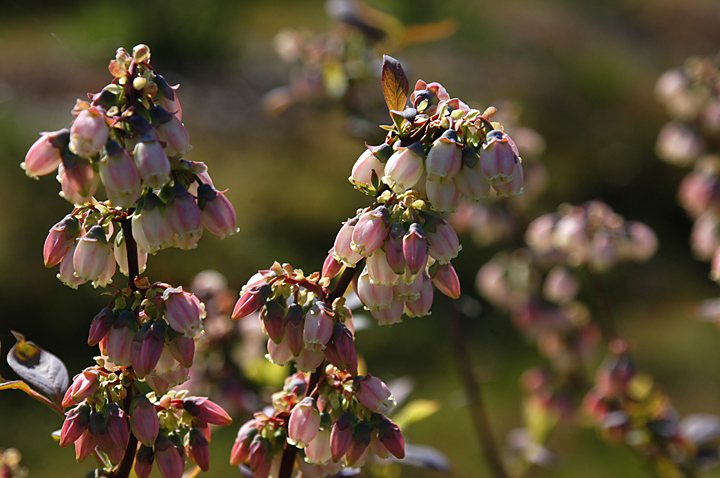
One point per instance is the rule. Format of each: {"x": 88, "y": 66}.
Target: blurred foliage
{"x": 582, "y": 74}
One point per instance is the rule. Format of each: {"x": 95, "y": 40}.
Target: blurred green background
{"x": 582, "y": 72}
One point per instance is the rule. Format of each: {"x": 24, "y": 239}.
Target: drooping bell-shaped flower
{"x": 514, "y": 184}
{"x": 390, "y": 315}
{"x": 156, "y": 231}
{"x": 218, "y": 213}
{"x": 60, "y": 240}
{"x": 318, "y": 327}
{"x": 342, "y": 248}
{"x": 117, "y": 344}
{"x": 371, "y": 231}
{"x": 370, "y": 160}
{"x": 443, "y": 242}
{"x": 66, "y": 274}
{"x": 183, "y": 311}
{"x": 92, "y": 254}
{"x": 308, "y": 360}
{"x": 120, "y": 176}
{"x": 171, "y": 130}
{"x": 318, "y": 451}
{"x": 498, "y": 156}
{"x": 182, "y": 349}
{"x": 77, "y": 179}
{"x": 88, "y": 133}
{"x": 444, "y": 159}
{"x": 152, "y": 162}
{"x": 185, "y": 218}
{"x": 374, "y": 394}
{"x": 380, "y": 271}
{"x": 394, "y": 248}
{"x": 443, "y": 197}
{"x": 143, "y": 419}
{"x": 420, "y": 307}
{"x": 279, "y": 353}
{"x": 147, "y": 346}
{"x": 304, "y": 423}
{"x": 404, "y": 168}
{"x": 44, "y": 155}
{"x": 415, "y": 249}
{"x": 373, "y": 296}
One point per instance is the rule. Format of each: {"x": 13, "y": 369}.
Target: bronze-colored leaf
{"x": 395, "y": 84}
{"x": 39, "y": 368}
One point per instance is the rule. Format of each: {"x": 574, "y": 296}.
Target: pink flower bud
{"x": 363, "y": 168}
{"x": 185, "y": 218}
{"x": 84, "y": 384}
{"x": 259, "y": 453}
{"x": 118, "y": 341}
{"x": 318, "y": 327}
{"x": 182, "y": 349}
{"x": 394, "y": 248}
{"x": 341, "y": 349}
{"x": 85, "y": 445}
{"x": 76, "y": 422}
{"x": 217, "y": 212}
{"x": 251, "y": 300}
{"x": 498, "y": 156}
{"x": 279, "y": 353}
{"x": 272, "y": 316}
{"x": 420, "y": 307}
{"x": 443, "y": 241}
{"x": 309, "y": 360}
{"x": 120, "y": 176}
{"x": 100, "y": 326}
{"x": 358, "y": 451}
{"x": 171, "y": 130}
{"x": 443, "y": 197}
{"x": 152, "y": 163}
{"x": 371, "y": 231}
{"x": 404, "y": 168}
{"x": 391, "y": 315}
{"x": 144, "y": 461}
{"x": 331, "y": 266}
{"x": 147, "y": 346}
{"x": 375, "y": 297}
{"x": 183, "y": 311}
{"x": 391, "y": 437}
{"x": 60, "y": 240}
{"x": 415, "y": 249}
{"x": 444, "y": 159}
{"x": 241, "y": 447}
{"x": 66, "y": 274}
{"x": 318, "y": 451}
{"x": 205, "y": 409}
{"x": 341, "y": 435}
{"x": 294, "y": 327}
{"x": 198, "y": 449}
{"x": 380, "y": 271}
{"x": 156, "y": 231}
{"x": 117, "y": 426}
{"x": 342, "y": 249}
{"x": 44, "y": 155}
{"x": 446, "y": 280}
{"x": 169, "y": 459}
{"x": 304, "y": 423}
{"x": 92, "y": 254}
{"x": 374, "y": 394}
{"x": 88, "y": 133}
{"x": 78, "y": 179}
{"x": 560, "y": 285}
{"x": 143, "y": 419}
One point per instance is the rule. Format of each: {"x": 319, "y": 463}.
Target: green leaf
{"x": 39, "y": 368}
{"x": 395, "y": 84}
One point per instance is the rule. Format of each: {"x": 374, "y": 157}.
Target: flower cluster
{"x": 630, "y": 408}
{"x": 335, "y": 425}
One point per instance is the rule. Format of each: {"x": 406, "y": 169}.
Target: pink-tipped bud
{"x": 358, "y": 451}
{"x": 443, "y": 241}
{"x": 84, "y": 384}
{"x": 251, "y": 300}
{"x": 92, "y": 254}
{"x": 394, "y": 248}
{"x": 117, "y": 426}
{"x": 369, "y": 161}
{"x": 446, "y": 280}
{"x": 171, "y": 130}
{"x": 331, "y": 266}
{"x": 117, "y": 344}
{"x": 120, "y": 176}
{"x": 499, "y": 156}
{"x": 374, "y": 394}
{"x": 443, "y": 197}
{"x": 205, "y": 409}
{"x": 375, "y": 297}
{"x": 182, "y": 349}
{"x": 88, "y": 133}
{"x": 44, "y": 155}
{"x": 217, "y": 212}
{"x": 318, "y": 451}
{"x": 341, "y": 435}
{"x": 147, "y": 346}
{"x": 259, "y": 453}
{"x": 415, "y": 249}
{"x": 185, "y": 218}
{"x": 144, "y": 461}
{"x": 380, "y": 271}
{"x": 371, "y": 231}
{"x": 304, "y": 423}
{"x": 143, "y": 419}
{"x": 341, "y": 350}
{"x": 152, "y": 163}
{"x": 76, "y": 422}
{"x": 404, "y": 168}
{"x": 85, "y": 445}
{"x": 272, "y": 315}
{"x": 241, "y": 448}
{"x": 100, "y": 326}
{"x": 444, "y": 159}
{"x": 391, "y": 438}
{"x": 183, "y": 311}
{"x": 294, "y": 327}
{"x": 198, "y": 449}
{"x": 60, "y": 240}
{"x": 318, "y": 327}
{"x": 420, "y": 307}
{"x": 342, "y": 249}
{"x": 170, "y": 460}
{"x": 156, "y": 232}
